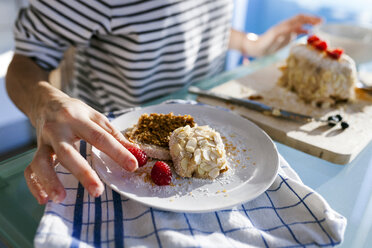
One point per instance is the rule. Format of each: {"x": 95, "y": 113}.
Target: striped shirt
{"x": 128, "y": 52}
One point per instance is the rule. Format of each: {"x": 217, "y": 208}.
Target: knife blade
{"x": 254, "y": 105}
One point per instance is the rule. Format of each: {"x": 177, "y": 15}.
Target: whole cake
{"x": 318, "y": 75}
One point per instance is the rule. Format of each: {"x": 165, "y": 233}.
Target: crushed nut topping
{"x": 198, "y": 152}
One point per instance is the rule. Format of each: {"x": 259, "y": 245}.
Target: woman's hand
{"x": 61, "y": 122}
{"x": 280, "y": 35}
{"x": 275, "y": 38}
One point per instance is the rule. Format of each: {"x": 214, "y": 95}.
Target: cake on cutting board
{"x": 310, "y": 93}
{"x": 319, "y": 75}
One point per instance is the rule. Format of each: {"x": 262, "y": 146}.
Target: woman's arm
{"x": 61, "y": 121}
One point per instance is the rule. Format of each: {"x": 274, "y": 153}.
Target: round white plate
{"x": 252, "y": 156}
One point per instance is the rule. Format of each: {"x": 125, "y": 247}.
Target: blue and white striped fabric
{"x": 288, "y": 214}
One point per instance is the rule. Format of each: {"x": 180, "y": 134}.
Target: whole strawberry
{"x": 139, "y": 154}
{"x": 320, "y": 45}
{"x": 335, "y": 54}
{"x": 312, "y": 39}
{"x": 161, "y": 173}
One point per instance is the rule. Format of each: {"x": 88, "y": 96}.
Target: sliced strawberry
{"x": 161, "y": 173}
{"x": 312, "y": 39}
{"x": 320, "y": 45}
{"x": 336, "y": 53}
{"x": 139, "y": 154}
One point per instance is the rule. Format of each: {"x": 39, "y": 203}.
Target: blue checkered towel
{"x": 288, "y": 214}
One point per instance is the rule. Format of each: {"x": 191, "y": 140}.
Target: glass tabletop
{"x": 19, "y": 211}
{"x": 347, "y": 188}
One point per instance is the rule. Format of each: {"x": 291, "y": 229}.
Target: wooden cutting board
{"x": 316, "y": 138}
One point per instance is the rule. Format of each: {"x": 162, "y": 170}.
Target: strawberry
{"x": 161, "y": 173}
{"x": 320, "y": 45}
{"x": 139, "y": 154}
{"x": 312, "y": 39}
{"x": 336, "y": 53}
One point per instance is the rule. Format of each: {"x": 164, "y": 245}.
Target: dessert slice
{"x": 319, "y": 75}
{"x": 197, "y": 152}
{"x": 152, "y": 132}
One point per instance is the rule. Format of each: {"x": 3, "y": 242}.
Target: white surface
{"x": 242, "y": 183}
{"x": 355, "y": 40}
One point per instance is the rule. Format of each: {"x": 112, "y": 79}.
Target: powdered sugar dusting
{"x": 240, "y": 162}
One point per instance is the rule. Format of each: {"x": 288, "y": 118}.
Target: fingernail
{"x": 55, "y": 197}
{"x": 42, "y": 198}
{"x": 132, "y": 166}
{"x": 95, "y": 190}
{"x": 42, "y": 201}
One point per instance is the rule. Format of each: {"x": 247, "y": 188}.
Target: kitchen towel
{"x": 288, "y": 214}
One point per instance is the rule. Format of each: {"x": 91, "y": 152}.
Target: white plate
{"x": 253, "y": 165}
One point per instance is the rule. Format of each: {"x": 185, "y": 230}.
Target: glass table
{"x": 347, "y": 188}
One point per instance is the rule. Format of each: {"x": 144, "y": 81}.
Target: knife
{"x": 254, "y": 105}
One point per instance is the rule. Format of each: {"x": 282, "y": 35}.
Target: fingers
{"x": 43, "y": 166}
{"x": 298, "y": 29}
{"x": 58, "y": 131}
{"x": 104, "y": 123}
{"x": 34, "y": 186}
{"x": 43, "y": 182}
{"x": 306, "y": 19}
{"x": 71, "y": 159}
{"x": 296, "y": 24}
{"x": 105, "y": 140}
